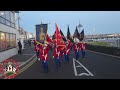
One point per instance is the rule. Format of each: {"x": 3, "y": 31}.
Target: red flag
{"x": 59, "y": 39}
{"x": 48, "y": 39}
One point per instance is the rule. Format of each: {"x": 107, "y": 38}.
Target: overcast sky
{"x": 102, "y": 22}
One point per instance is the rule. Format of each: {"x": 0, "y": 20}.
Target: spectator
{"x": 20, "y": 47}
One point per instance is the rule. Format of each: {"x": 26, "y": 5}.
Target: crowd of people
{"x": 58, "y": 52}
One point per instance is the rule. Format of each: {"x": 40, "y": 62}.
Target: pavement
{"x": 22, "y": 59}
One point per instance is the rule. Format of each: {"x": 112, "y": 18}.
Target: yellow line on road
{"x": 26, "y": 67}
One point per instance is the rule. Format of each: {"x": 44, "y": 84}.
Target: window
{"x": 7, "y": 13}
{"x": 7, "y": 18}
{"x": 14, "y": 40}
{"x": 2, "y": 14}
{"x": 11, "y": 40}
{"x": 2, "y": 20}
{"x": 2, "y": 17}
{"x": 7, "y": 40}
{"x": 12, "y": 19}
{"x": 2, "y": 41}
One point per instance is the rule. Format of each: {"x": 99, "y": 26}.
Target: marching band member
{"x": 66, "y": 52}
{"x": 76, "y": 49}
{"x": 83, "y": 47}
{"x": 56, "y": 56}
{"x": 44, "y": 57}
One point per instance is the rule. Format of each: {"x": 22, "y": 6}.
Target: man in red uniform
{"x": 83, "y": 47}
{"x": 44, "y": 56}
{"x": 69, "y": 43}
{"x": 66, "y": 52}
{"x": 56, "y": 56}
{"x": 76, "y": 49}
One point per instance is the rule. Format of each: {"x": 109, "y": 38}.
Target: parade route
{"x": 93, "y": 66}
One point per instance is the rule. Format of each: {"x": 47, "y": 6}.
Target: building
{"x": 9, "y": 34}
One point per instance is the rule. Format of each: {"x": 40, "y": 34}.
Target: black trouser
{"x": 20, "y": 49}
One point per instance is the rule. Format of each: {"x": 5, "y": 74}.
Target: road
{"x": 93, "y": 66}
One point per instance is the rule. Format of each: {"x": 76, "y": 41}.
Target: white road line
{"x": 84, "y": 67}
{"x": 75, "y": 71}
{"x": 80, "y": 65}
{"x": 83, "y": 74}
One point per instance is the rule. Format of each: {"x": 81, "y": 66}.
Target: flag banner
{"x": 48, "y": 39}
{"x": 76, "y": 34}
{"x": 69, "y": 35}
{"x": 82, "y": 35}
{"x": 64, "y": 39}
{"x": 53, "y": 37}
{"x": 41, "y": 31}
{"x": 59, "y": 39}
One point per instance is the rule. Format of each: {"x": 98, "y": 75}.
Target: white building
{"x": 8, "y": 34}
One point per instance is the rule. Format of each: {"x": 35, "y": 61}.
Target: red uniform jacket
{"x": 83, "y": 45}
{"x": 56, "y": 52}
{"x": 36, "y": 48}
{"x": 66, "y": 50}
{"x": 69, "y": 44}
{"x": 79, "y": 45}
{"x": 76, "y": 47}
{"x": 44, "y": 53}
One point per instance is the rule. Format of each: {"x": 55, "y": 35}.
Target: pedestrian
{"x": 20, "y": 47}
{"x": 29, "y": 42}
{"x": 56, "y": 56}
{"x": 44, "y": 57}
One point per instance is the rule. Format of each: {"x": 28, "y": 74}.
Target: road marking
{"x": 27, "y": 60}
{"x": 103, "y": 54}
{"x": 22, "y": 63}
{"x": 26, "y": 67}
{"x": 83, "y": 74}
{"x": 80, "y": 65}
{"x": 75, "y": 71}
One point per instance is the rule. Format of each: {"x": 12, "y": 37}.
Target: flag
{"x": 69, "y": 35}
{"x": 48, "y": 39}
{"x": 82, "y": 35}
{"x": 80, "y": 25}
{"x": 53, "y": 37}
{"x": 64, "y": 39}
{"x": 41, "y": 31}
{"x": 59, "y": 39}
{"x": 76, "y": 33}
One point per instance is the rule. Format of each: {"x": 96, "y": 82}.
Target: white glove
{"x": 38, "y": 59}
{"x": 53, "y": 56}
{"x": 44, "y": 61}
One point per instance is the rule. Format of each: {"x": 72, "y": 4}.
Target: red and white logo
{"x": 9, "y": 68}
